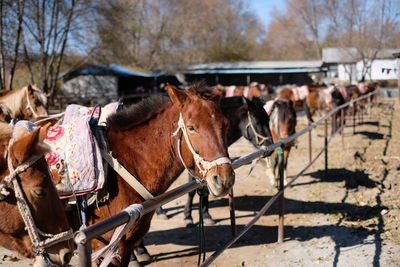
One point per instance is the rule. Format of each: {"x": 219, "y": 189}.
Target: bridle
{"x": 34, "y": 232}
{"x": 203, "y": 165}
{"x": 260, "y": 139}
{"x": 29, "y": 105}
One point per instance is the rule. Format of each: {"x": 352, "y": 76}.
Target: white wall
{"x": 92, "y": 86}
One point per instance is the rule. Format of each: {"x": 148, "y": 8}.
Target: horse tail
{"x": 307, "y": 110}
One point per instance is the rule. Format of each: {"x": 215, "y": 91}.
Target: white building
{"x": 345, "y": 65}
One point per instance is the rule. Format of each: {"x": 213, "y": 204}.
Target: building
{"x": 242, "y": 73}
{"x": 345, "y": 65}
{"x": 110, "y": 82}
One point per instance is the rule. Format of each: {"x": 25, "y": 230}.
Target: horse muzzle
{"x": 220, "y": 179}
{"x": 61, "y": 259}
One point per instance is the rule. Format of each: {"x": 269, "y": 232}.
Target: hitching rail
{"x": 83, "y": 237}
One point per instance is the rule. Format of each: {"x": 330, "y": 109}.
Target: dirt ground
{"x": 349, "y": 217}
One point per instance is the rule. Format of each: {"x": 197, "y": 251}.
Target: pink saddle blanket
{"x": 75, "y": 160}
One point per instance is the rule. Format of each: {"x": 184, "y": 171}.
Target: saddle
{"x": 75, "y": 160}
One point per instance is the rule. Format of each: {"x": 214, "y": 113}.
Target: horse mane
{"x": 148, "y": 107}
{"x": 5, "y": 131}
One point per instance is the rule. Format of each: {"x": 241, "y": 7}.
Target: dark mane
{"x": 200, "y": 89}
{"x": 138, "y": 113}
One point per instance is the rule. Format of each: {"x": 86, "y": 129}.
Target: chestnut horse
{"x": 323, "y": 100}
{"x": 25, "y": 103}
{"x": 155, "y": 140}
{"x": 39, "y": 193}
{"x": 282, "y": 124}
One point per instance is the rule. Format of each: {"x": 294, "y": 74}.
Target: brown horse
{"x": 25, "y": 103}
{"x": 282, "y": 124}
{"x": 295, "y": 94}
{"x": 254, "y": 90}
{"x": 39, "y": 194}
{"x": 155, "y": 140}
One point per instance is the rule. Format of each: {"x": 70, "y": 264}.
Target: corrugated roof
{"x": 249, "y": 65}
{"x": 254, "y": 71}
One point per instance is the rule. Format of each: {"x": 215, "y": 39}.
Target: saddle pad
{"x": 326, "y": 96}
{"x": 300, "y": 93}
{"x": 230, "y": 90}
{"x": 75, "y": 160}
{"x": 269, "y": 106}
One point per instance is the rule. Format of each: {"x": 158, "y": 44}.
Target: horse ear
{"x": 23, "y": 147}
{"x": 43, "y": 132}
{"x": 178, "y": 97}
{"x": 30, "y": 88}
{"x": 245, "y": 101}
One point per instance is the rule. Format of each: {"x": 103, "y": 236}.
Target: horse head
{"x": 35, "y": 103}
{"x": 203, "y": 127}
{"x": 255, "y": 125}
{"x": 284, "y": 118}
{"x": 27, "y": 149}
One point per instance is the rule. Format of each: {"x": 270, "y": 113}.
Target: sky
{"x": 263, "y": 8}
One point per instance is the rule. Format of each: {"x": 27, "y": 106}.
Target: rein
{"x": 203, "y": 165}
{"x": 34, "y": 232}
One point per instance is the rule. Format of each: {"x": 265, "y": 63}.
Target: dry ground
{"x": 349, "y": 217}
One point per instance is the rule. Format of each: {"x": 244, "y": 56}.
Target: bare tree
{"x": 364, "y": 25}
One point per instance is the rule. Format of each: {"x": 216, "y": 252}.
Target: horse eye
{"x": 39, "y": 193}
{"x": 192, "y": 129}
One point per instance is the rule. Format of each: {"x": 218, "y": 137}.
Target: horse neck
{"x": 234, "y": 132}
{"x": 148, "y": 152}
{"x": 15, "y": 101}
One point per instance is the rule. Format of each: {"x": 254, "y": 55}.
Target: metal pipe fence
{"x": 83, "y": 237}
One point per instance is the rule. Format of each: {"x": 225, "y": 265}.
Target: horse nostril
{"x": 216, "y": 180}
{"x": 67, "y": 258}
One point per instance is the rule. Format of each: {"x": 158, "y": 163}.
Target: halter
{"x": 33, "y": 231}
{"x": 203, "y": 165}
{"x": 259, "y": 137}
{"x": 29, "y": 106}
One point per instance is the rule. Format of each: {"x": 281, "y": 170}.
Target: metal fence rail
{"x": 84, "y": 237}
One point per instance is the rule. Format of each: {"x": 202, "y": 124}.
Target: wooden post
{"x": 354, "y": 117}
{"x": 342, "y": 125}
{"x": 309, "y": 144}
{"x": 326, "y": 147}
{"x": 232, "y": 211}
{"x": 281, "y": 225}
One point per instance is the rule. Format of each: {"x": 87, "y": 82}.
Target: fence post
{"x": 326, "y": 146}
{"x": 281, "y": 197}
{"x": 84, "y": 251}
{"x": 354, "y": 117}
{"x": 342, "y": 125}
{"x": 309, "y": 144}
{"x": 232, "y": 212}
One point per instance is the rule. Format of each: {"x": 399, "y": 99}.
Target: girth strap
{"x": 126, "y": 175}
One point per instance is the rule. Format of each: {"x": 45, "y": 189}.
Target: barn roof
{"x": 350, "y": 54}
{"x": 250, "y": 67}
{"x": 101, "y": 70}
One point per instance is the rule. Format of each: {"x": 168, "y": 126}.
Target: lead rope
{"x": 202, "y": 234}
{"x": 33, "y": 232}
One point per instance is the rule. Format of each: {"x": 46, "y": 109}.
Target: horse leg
{"x": 269, "y": 170}
{"x": 161, "y": 213}
{"x": 189, "y": 206}
{"x": 12, "y": 243}
{"x": 141, "y": 252}
{"x": 285, "y": 157}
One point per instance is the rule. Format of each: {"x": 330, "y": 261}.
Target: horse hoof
{"x": 135, "y": 264}
{"x": 144, "y": 256}
{"x": 189, "y": 222}
{"x": 162, "y": 216}
{"x": 209, "y": 222}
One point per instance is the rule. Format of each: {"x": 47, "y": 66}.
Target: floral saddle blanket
{"x": 75, "y": 160}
